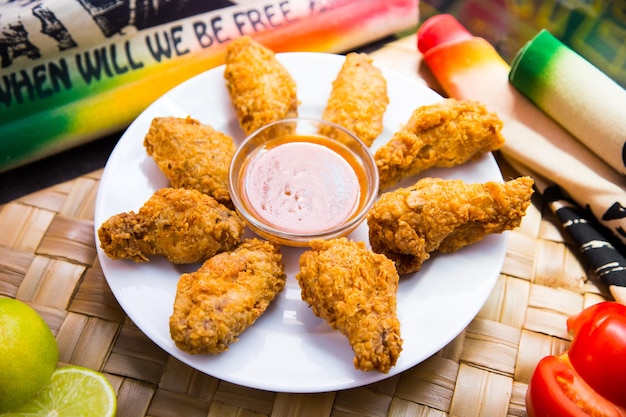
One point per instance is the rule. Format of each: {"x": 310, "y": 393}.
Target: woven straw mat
{"x": 48, "y": 259}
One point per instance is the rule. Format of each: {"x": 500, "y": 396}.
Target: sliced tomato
{"x": 556, "y": 390}
{"x": 598, "y": 349}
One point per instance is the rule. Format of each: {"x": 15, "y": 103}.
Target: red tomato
{"x": 556, "y": 390}
{"x": 598, "y": 349}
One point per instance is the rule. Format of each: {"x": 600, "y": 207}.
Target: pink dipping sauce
{"x": 303, "y": 186}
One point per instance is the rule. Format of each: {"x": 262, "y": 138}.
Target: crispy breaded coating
{"x": 260, "y": 88}
{"x": 185, "y": 226}
{"x": 354, "y": 290}
{"x": 358, "y": 98}
{"x": 191, "y": 155}
{"x": 408, "y": 224}
{"x": 229, "y": 292}
{"x": 445, "y": 134}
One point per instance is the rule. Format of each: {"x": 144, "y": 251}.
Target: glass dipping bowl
{"x": 300, "y": 179}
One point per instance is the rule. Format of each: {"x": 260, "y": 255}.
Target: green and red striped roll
{"x": 65, "y": 98}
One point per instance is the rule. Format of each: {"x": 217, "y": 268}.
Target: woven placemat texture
{"x": 48, "y": 259}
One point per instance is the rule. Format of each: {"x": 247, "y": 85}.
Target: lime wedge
{"x": 72, "y": 391}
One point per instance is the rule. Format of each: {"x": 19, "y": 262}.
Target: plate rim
{"x": 500, "y": 242}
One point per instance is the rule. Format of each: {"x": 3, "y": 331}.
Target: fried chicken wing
{"x": 191, "y": 155}
{"x": 354, "y": 290}
{"x": 408, "y": 224}
{"x": 183, "y": 225}
{"x": 358, "y": 98}
{"x": 229, "y": 292}
{"x": 445, "y": 134}
{"x": 261, "y": 89}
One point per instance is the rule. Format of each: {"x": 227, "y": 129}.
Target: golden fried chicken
{"x": 191, "y": 155}
{"x": 261, "y": 89}
{"x": 354, "y": 290}
{"x": 183, "y": 225}
{"x": 229, "y": 292}
{"x": 445, "y": 134}
{"x": 408, "y": 224}
{"x": 358, "y": 99}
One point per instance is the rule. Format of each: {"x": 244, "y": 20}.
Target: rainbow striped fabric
{"x": 73, "y": 73}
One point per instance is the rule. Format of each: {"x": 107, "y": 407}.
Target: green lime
{"x": 73, "y": 391}
{"x": 28, "y": 353}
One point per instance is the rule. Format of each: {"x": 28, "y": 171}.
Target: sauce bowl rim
{"x": 364, "y": 156}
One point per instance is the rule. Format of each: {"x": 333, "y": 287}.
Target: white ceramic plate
{"x": 289, "y": 349}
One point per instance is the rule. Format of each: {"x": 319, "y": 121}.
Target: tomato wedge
{"x": 598, "y": 349}
{"x": 556, "y": 390}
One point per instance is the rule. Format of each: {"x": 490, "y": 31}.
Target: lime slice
{"x": 72, "y": 391}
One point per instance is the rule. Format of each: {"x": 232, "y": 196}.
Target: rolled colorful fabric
{"x": 576, "y": 94}
{"x": 71, "y": 72}
{"x": 468, "y": 67}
